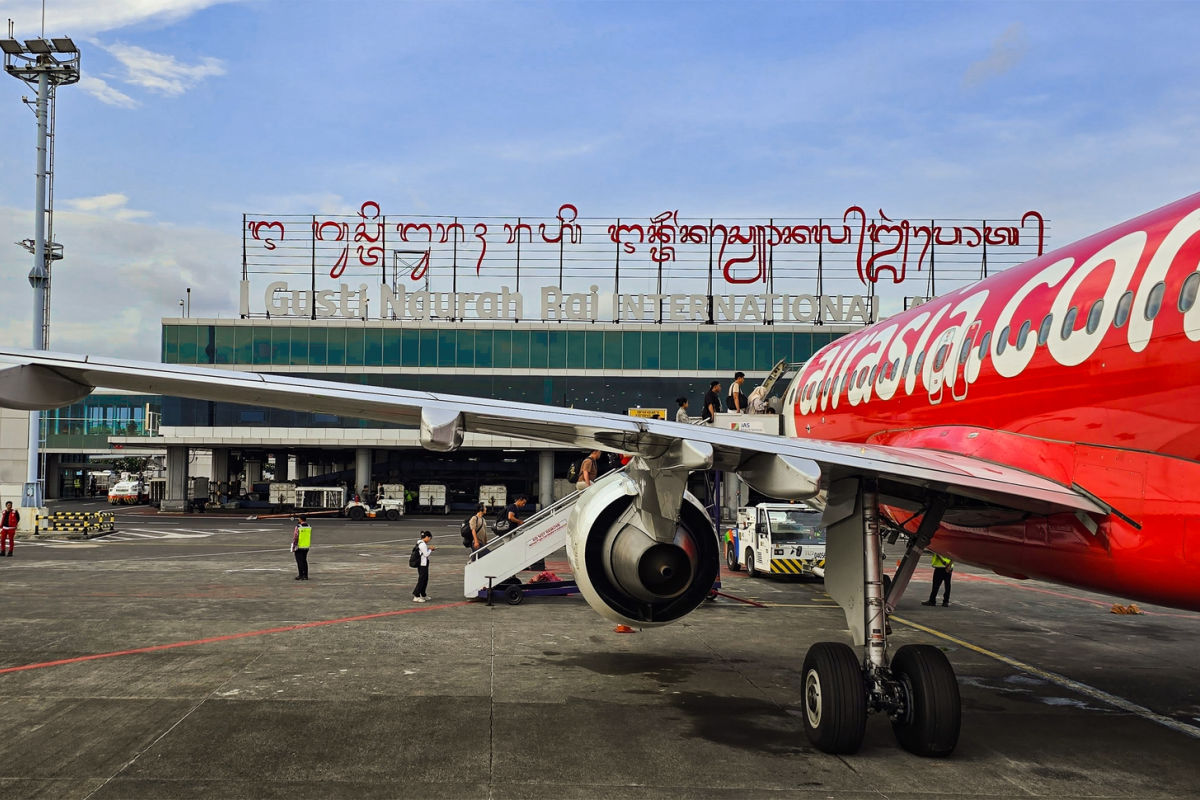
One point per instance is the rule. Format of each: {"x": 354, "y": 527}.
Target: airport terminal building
{"x": 610, "y": 315}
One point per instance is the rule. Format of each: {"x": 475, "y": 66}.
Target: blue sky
{"x": 192, "y": 112}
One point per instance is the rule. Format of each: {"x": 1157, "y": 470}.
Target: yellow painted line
{"x": 1063, "y": 681}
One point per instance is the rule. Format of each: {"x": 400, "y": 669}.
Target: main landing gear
{"x": 917, "y": 688}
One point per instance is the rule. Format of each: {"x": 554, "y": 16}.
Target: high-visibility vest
{"x": 303, "y": 537}
{"x": 941, "y": 561}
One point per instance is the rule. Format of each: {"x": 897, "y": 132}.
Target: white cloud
{"x": 107, "y": 205}
{"x": 160, "y": 72}
{"x": 83, "y": 17}
{"x": 1007, "y": 51}
{"x": 106, "y": 94}
{"x": 118, "y": 279}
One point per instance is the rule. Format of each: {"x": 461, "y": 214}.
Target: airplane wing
{"x": 777, "y": 466}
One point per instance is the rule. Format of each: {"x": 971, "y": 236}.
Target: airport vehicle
{"x": 309, "y": 498}
{"x": 493, "y": 495}
{"x": 431, "y": 498}
{"x": 1041, "y": 423}
{"x": 389, "y": 504}
{"x": 128, "y": 492}
{"x": 778, "y": 539}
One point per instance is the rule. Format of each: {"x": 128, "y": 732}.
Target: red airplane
{"x": 1040, "y": 423}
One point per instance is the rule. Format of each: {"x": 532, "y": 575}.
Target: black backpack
{"x": 573, "y": 470}
{"x": 414, "y": 558}
{"x": 467, "y": 536}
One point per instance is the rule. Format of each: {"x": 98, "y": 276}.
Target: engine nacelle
{"x": 623, "y": 572}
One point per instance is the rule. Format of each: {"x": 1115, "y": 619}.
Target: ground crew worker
{"x": 730, "y": 558}
{"x": 301, "y": 541}
{"x": 8, "y": 527}
{"x": 943, "y": 568}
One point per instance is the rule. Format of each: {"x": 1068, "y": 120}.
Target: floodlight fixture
{"x": 37, "y": 46}
{"x": 64, "y": 44}
{"x": 11, "y": 47}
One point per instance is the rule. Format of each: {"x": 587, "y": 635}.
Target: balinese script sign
{"x": 407, "y": 252}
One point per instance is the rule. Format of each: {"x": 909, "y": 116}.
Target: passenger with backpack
{"x": 589, "y": 470}
{"x": 419, "y": 558}
{"x": 475, "y": 529}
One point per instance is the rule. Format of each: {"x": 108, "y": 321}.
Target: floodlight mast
{"x": 44, "y": 65}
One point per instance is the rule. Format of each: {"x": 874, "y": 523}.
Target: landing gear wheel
{"x": 514, "y": 595}
{"x": 393, "y": 514}
{"x": 750, "y": 569}
{"x": 930, "y": 724}
{"x": 835, "y": 700}
{"x": 731, "y": 559}
{"x": 356, "y": 513}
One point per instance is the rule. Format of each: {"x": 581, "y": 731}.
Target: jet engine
{"x": 623, "y": 571}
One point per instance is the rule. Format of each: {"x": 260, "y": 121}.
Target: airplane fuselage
{"x": 1080, "y": 366}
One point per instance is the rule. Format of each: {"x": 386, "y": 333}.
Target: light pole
{"x": 44, "y": 65}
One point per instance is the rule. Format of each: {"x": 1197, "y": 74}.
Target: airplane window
{"x": 966, "y": 351}
{"x": 1044, "y": 330}
{"x": 940, "y": 358}
{"x": 1187, "y": 293}
{"x": 984, "y": 343}
{"x": 1002, "y": 342}
{"x": 920, "y": 362}
{"x": 1154, "y": 301}
{"x": 874, "y": 373}
{"x": 907, "y": 362}
{"x": 1093, "y": 320}
{"x": 822, "y": 389}
{"x": 1068, "y": 326}
{"x": 1121, "y": 316}
{"x": 862, "y": 377}
{"x": 896, "y": 368}
{"x": 1024, "y": 333}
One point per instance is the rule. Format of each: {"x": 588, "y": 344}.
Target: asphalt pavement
{"x": 178, "y": 658}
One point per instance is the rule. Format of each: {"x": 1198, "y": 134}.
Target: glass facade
{"x": 523, "y": 348}
{"x": 86, "y": 425}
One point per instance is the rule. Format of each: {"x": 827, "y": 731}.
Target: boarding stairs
{"x": 505, "y": 556}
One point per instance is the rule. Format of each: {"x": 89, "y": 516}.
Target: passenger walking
{"x": 512, "y": 510}
{"x": 589, "y": 470}
{"x": 943, "y": 570}
{"x": 737, "y": 401}
{"x": 8, "y": 528}
{"x": 712, "y": 402}
{"x": 479, "y": 528}
{"x": 301, "y": 541}
{"x": 424, "y": 549}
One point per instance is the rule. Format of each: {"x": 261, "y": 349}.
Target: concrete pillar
{"x": 301, "y": 470}
{"x": 219, "y": 470}
{"x": 175, "y": 497}
{"x": 253, "y": 474}
{"x": 362, "y": 469}
{"x": 53, "y": 476}
{"x": 545, "y": 478}
{"x": 282, "y": 466}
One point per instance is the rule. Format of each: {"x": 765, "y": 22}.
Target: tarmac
{"x": 178, "y": 658}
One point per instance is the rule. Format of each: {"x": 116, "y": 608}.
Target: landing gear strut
{"x": 917, "y": 689}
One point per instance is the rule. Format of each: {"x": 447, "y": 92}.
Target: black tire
{"x": 393, "y": 514}
{"x": 751, "y": 570}
{"x": 356, "y": 513}
{"x": 931, "y": 722}
{"x": 514, "y": 595}
{"x": 835, "y": 699}
{"x": 731, "y": 558}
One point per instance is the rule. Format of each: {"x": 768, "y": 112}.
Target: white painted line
{"x": 1066, "y": 683}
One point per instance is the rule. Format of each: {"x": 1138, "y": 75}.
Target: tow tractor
{"x": 778, "y": 539}
{"x": 389, "y": 504}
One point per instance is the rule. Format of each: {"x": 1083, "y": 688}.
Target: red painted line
{"x": 229, "y": 637}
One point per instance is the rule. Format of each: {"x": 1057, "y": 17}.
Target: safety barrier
{"x": 74, "y": 522}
